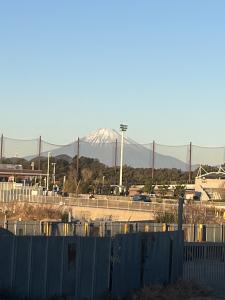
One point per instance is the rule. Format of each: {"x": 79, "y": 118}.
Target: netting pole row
{"x": 115, "y": 162}
{"x": 2, "y": 140}
{"x": 153, "y": 159}
{"x": 39, "y": 154}
{"x": 190, "y": 163}
{"x": 78, "y": 158}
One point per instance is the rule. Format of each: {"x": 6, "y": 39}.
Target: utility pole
{"x": 39, "y": 154}
{"x": 153, "y": 159}
{"x": 190, "y": 162}
{"x": 180, "y": 212}
{"x": 2, "y": 140}
{"x": 123, "y": 128}
{"x": 78, "y": 157}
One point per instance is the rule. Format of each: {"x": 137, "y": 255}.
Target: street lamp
{"x": 103, "y": 183}
{"x": 53, "y": 164}
{"x": 123, "y": 128}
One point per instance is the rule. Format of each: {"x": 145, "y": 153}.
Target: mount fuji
{"x": 104, "y": 145}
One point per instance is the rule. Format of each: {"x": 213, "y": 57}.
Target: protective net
{"x": 211, "y": 156}
{"x": 60, "y": 151}
{"x": 137, "y": 155}
{"x": 134, "y": 155}
{"x": 172, "y": 157}
{"x": 16, "y": 148}
{"x": 105, "y": 152}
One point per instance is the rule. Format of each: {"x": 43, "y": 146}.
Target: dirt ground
{"x": 178, "y": 291}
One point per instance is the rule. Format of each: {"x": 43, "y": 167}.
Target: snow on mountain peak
{"x": 102, "y": 135}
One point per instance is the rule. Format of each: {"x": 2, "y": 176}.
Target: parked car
{"x": 152, "y": 195}
{"x": 143, "y": 198}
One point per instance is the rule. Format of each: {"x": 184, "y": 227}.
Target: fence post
{"x": 39, "y": 154}
{"x": 190, "y": 163}
{"x": 153, "y": 159}
{"x": 78, "y": 158}
{"x": 1, "y": 154}
{"x": 180, "y": 213}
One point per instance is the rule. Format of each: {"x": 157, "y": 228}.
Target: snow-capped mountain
{"x": 102, "y": 145}
{"x": 105, "y": 135}
{"x": 101, "y": 136}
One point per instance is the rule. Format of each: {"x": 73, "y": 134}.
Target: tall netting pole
{"x": 153, "y": 159}
{"x": 115, "y": 162}
{"x": 2, "y": 140}
{"x": 78, "y": 158}
{"x": 190, "y": 163}
{"x": 39, "y": 154}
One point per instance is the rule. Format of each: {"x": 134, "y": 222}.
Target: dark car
{"x": 143, "y": 198}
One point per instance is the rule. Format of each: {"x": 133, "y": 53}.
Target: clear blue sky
{"x": 70, "y": 67}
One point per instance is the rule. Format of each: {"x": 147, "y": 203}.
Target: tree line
{"x": 95, "y": 177}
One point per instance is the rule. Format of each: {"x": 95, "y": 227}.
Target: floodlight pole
{"x": 123, "y": 128}
{"x": 47, "y": 183}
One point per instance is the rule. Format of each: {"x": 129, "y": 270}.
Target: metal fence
{"x": 192, "y": 232}
{"x": 25, "y": 196}
{"x": 90, "y": 267}
{"x": 205, "y": 263}
{"x": 209, "y": 211}
{"x": 150, "y": 155}
{"x": 82, "y": 228}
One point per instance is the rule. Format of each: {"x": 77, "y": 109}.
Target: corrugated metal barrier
{"x": 88, "y": 267}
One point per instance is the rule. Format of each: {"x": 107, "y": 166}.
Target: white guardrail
{"x": 95, "y": 203}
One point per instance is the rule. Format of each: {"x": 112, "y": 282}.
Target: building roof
{"x": 6, "y": 173}
{"x": 203, "y": 174}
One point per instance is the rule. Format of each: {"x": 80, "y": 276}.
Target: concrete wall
{"x": 90, "y": 213}
{"x": 88, "y": 268}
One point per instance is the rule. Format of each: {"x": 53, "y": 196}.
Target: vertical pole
{"x": 64, "y": 183}
{"x": 54, "y": 164}
{"x": 180, "y": 213}
{"x": 48, "y": 171}
{"x": 121, "y": 161}
{"x": 78, "y": 158}
{"x": 2, "y": 140}
{"x": 115, "y": 165}
{"x": 190, "y": 162}
{"x": 39, "y": 154}
{"x": 153, "y": 159}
